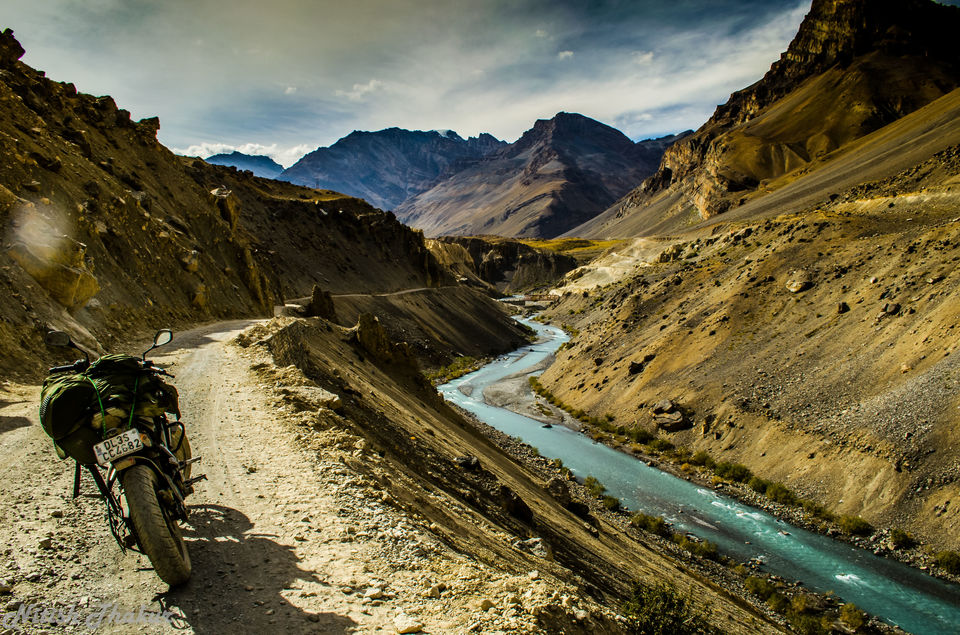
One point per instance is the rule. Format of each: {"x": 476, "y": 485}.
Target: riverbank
{"x": 659, "y": 453}
{"x": 514, "y": 393}
{"x": 624, "y": 482}
{"x": 724, "y": 573}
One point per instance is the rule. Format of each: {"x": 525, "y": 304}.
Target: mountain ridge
{"x": 261, "y": 165}
{"x": 558, "y": 174}
{"x": 388, "y": 166}
{"x": 853, "y": 68}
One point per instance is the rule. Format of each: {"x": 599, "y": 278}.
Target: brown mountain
{"x": 389, "y": 166}
{"x": 560, "y": 173}
{"x": 854, "y": 67}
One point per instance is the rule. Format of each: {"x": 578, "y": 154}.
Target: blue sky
{"x": 287, "y": 76}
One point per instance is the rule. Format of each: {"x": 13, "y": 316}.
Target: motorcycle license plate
{"x": 115, "y": 447}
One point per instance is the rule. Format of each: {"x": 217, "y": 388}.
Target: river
{"x": 895, "y": 592}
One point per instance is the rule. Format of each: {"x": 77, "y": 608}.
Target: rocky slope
{"x": 306, "y": 237}
{"x": 854, "y": 67}
{"x": 107, "y": 234}
{"x": 817, "y": 347}
{"x": 260, "y": 165}
{"x": 559, "y": 174}
{"x": 427, "y": 459}
{"x": 507, "y": 265}
{"x": 438, "y": 325}
{"x": 389, "y": 166}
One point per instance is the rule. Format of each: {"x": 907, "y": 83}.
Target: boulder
{"x": 53, "y": 164}
{"x": 799, "y": 280}
{"x": 468, "y": 462}
{"x": 312, "y": 398}
{"x": 559, "y": 489}
{"x": 321, "y": 305}
{"x": 514, "y": 505}
{"x": 372, "y": 337}
{"x": 190, "y": 261}
{"x": 227, "y": 204}
{"x": 671, "y": 253}
{"x": 664, "y": 405}
{"x": 59, "y": 267}
{"x": 10, "y": 49}
{"x": 671, "y": 422}
{"x": 638, "y": 367}
{"x": 199, "y": 296}
{"x": 406, "y": 624}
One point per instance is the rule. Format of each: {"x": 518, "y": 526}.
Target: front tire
{"x": 158, "y": 534}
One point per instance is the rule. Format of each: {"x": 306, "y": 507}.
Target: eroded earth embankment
{"x": 817, "y": 348}
{"x": 441, "y": 467}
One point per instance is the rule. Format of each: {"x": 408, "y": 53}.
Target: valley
{"x": 722, "y": 389}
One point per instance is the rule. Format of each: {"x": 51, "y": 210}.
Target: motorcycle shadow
{"x": 238, "y": 579}
{"x": 12, "y": 423}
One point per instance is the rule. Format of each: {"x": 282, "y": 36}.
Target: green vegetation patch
{"x": 780, "y": 493}
{"x": 580, "y": 249}
{"x": 654, "y": 524}
{"x": 458, "y": 368}
{"x": 733, "y": 471}
{"x": 949, "y": 561}
{"x": 852, "y": 616}
{"x": 901, "y": 539}
{"x": 662, "y": 610}
{"x": 611, "y": 502}
{"x": 595, "y": 487}
{"x": 855, "y": 526}
{"x": 702, "y": 548}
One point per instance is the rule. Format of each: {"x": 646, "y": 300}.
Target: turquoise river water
{"x": 899, "y": 594}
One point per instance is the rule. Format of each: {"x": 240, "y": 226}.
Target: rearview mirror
{"x": 57, "y": 338}
{"x": 162, "y": 337}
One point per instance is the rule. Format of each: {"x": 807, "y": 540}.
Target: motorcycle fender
{"x": 123, "y": 464}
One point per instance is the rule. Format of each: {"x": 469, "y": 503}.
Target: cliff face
{"x": 560, "y": 173}
{"x": 108, "y": 235}
{"x": 838, "y": 31}
{"x": 508, "y": 265}
{"x": 389, "y": 166}
{"x": 854, "y": 67}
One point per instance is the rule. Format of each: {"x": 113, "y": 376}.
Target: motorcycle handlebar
{"x": 81, "y": 365}
{"x": 77, "y": 366}
{"x": 148, "y": 365}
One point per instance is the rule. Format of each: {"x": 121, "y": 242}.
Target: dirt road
{"x": 283, "y": 537}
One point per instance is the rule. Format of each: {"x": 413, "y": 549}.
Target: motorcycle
{"x": 112, "y": 415}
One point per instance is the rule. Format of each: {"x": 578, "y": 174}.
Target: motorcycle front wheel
{"x": 157, "y": 532}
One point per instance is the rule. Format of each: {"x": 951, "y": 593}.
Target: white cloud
{"x": 284, "y": 156}
{"x": 643, "y": 57}
{"x": 474, "y": 71}
{"x": 360, "y": 91}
